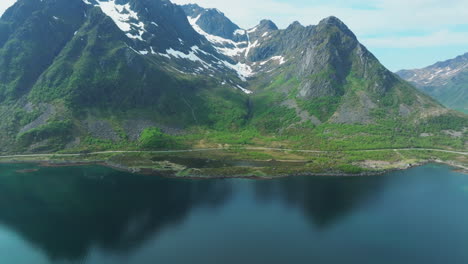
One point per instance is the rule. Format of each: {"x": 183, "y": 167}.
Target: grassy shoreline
{"x": 257, "y": 163}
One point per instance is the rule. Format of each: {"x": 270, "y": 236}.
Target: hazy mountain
{"x": 446, "y": 81}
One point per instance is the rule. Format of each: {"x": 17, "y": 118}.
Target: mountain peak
{"x": 295, "y": 24}
{"x": 192, "y": 9}
{"x": 214, "y": 11}
{"x": 212, "y": 21}
{"x": 267, "y": 24}
{"x": 197, "y": 8}
{"x": 333, "y": 21}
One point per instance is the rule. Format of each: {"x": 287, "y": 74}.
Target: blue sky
{"x": 403, "y": 34}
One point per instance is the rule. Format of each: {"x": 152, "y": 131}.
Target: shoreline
{"x": 174, "y": 174}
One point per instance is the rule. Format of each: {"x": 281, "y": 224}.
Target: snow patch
{"x": 190, "y": 56}
{"x": 244, "y": 90}
{"x": 280, "y": 60}
{"x": 231, "y": 52}
{"x": 255, "y": 44}
{"x": 124, "y": 17}
{"x": 209, "y": 37}
{"x": 134, "y": 50}
{"x": 252, "y": 30}
{"x": 243, "y": 70}
{"x": 234, "y": 48}
{"x": 240, "y": 32}
{"x": 164, "y": 55}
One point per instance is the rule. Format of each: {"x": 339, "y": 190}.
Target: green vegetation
{"x": 267, "y": 163}
{"x": 269, "y": 113}
{"x": 56, "y": 133}
{"x": 154, "y": 138}
{"x": 96, "y": 91}
{"x": 322, "y": 107}
{"x": 450, "y": 121}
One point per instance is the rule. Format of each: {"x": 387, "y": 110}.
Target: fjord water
{"x": 95, "y": 215}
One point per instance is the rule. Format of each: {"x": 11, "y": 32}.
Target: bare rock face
{"x": 47, "y": 113}
{"x": 355, "y": 110}
{"x": 327, "y": 60}
{"x": 102, "y": 129}
{"x": 133, "y": 128}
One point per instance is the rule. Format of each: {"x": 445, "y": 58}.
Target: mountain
{"x": 321, "y": 72}
{"x": 67, "y": 66}
{"x": 446, "y": 81}
{"x": 107, "y": 74}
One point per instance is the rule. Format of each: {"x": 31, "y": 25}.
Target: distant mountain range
{"x": 77, "y": 73}
{"x": 446, "y": 81}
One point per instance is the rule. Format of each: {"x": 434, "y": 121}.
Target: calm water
{"x": 94, "y": 215}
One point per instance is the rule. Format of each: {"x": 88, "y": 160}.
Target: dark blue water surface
{"x": 95, "y": 215}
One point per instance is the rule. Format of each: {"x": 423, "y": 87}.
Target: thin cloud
{"x": 440, "y": 38}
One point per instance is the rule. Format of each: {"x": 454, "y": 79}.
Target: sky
{"x": 4, "y": 4}
{"x": 403, "y": 34}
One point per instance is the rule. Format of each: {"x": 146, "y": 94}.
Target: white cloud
{"x": 5, "y": 4}
{"x": 440, "y": 38}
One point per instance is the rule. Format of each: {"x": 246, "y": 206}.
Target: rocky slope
{"x": 94, "y": 72}
{"x": 87, "y": 60}
{"x": 322, "y": 72}
{"x": 446, "y": 81}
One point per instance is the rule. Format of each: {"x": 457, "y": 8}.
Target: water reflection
{"x": 323, "y": 200}
{"x": 66, "y": 211}
{"x": 97, "y": 216}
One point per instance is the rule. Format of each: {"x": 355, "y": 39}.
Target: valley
{"x": 151, "y": 76}
{"x": 148, "y": 131}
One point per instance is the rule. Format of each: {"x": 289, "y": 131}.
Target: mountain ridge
{"x": 116, "y": 70}
{"x": 446, "y": 81}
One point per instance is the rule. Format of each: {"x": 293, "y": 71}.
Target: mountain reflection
{"x": 66, "y": 211}
{"x": 323, "y": 200}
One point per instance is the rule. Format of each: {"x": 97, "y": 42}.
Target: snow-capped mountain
{"x": 446, "y": 81}
{"x": 213, "y": 22}
{"x": 160, "y": 29}
{"x": 71, "y": 70}
{"x": 231, "y": 40}
{"x": 438, "y": 74}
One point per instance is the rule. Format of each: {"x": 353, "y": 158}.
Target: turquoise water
{"x": 95, "y": 215}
